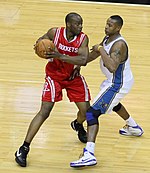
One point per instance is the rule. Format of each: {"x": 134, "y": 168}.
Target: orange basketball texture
{"x": 44, "y": 45}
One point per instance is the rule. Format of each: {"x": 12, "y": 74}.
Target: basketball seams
{"x": 43, "y": 46}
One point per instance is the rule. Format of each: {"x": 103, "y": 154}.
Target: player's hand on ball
{"x": 53, "y": 54}
{"x": 35, "y": 47}
{"x": 43, "y": 47}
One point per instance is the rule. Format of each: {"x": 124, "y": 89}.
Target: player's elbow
{"x": 111, "y": 69}
{"x": 83, "y": 62}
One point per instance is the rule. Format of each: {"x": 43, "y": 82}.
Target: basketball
{"x": 43, "y": 46}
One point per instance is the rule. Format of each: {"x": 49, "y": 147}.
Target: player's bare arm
{"x": 81, "y": 59}
{"x": 117, "y": 55}
{"x": 50, "y": 34}
{"x": 95, "y": 53}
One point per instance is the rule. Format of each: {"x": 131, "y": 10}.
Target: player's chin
{"x": 78, "y": 32}
{"x": 106, "y": 32}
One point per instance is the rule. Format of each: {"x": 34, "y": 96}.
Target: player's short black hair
{"x": 70, "y": 15}
{"x": 118, "y": 19}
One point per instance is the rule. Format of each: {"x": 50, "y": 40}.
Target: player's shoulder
{"x": 51, "y": 32}
{"x": 84, "y": 35}
{"x": 121, "y": 42}
{"x": 85, "y": 39}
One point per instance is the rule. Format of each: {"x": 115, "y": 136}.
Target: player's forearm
{"x": 108, "y": 61}
{"x": 76, "y": 60}
{"x": 92, "y": 56}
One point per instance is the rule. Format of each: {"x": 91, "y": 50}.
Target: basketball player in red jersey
{"x": 72, "y": 50}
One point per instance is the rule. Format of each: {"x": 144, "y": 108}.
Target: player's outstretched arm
{"x": 95, "y": 53}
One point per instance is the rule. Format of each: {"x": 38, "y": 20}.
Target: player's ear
{"x": 118, "y": 28}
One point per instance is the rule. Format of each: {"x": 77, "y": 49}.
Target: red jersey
{"x": 56, "y": 68}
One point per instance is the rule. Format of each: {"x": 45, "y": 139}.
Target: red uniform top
{"x": 57, "y": 69}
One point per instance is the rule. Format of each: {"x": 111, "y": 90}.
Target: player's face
{"x": 76, "y": 25}
{"x": 111, "y": 27}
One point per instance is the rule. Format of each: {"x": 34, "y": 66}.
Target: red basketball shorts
{"x": 77, "y": 90}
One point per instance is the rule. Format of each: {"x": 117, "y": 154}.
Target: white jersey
{"x": 123, "y": 73}
{"x": 117, "y": 84}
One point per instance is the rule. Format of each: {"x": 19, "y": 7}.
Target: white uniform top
{"x": 117, "y": 84}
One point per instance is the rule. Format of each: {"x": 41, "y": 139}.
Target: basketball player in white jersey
{"x": 115, "y": 66}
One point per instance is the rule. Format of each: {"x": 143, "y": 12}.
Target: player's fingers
{"x": 49, "y": 48}
{"x": 35, "y": 46}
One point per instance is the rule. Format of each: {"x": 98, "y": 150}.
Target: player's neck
{"x": 69, "y": 36}
{"x": 113, "y": 37}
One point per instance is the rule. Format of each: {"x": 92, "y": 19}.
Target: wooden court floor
{"x": 22, "y": 78}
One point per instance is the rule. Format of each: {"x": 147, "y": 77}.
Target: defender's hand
{"x": 75, "y": 73}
